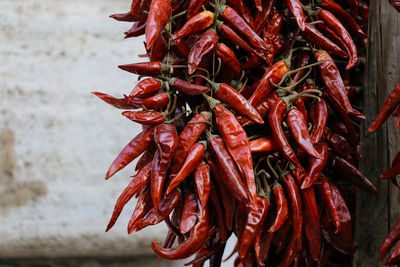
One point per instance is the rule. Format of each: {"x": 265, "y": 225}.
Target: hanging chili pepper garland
{"x": 246, "y": 114}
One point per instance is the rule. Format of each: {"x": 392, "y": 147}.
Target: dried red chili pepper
{"x": 203, "y": 183}
{"x": 195, "y": 7}
{"x": 131, "y": 151}
{"x": 157, "y": 101}
{"x": 240, "y": 7}
{"x": 228, "y": 57}
{"x": 146, "y": 88}
{"x": 271, "y": 37}
{"x": 263, "y": 144}
{"x": 194, "y": 158}
{"x": 290, "y": 252}
{"x": 197, "y": 23}
{"x": 326, "y": 195}
{"x": 121, "y": 103}
{"x": 137, "y": 183}
{"x": 391, "y": 102}
{"x": 339, "y": 143}
{"x": 297, "y": 11}
{"x": 207, "y": 42}
{"x": 188, "y": 88}
{"x": 319, "y": 117}
{"x": 145, "y": 117}
{"x": 316, "y": 166}
{"x": 191, "y": 245}
{"x": 281, "y": 203}
{"x": 152, "y": 68}
{"x": 218, "y": 213}
{"x": 262, "y": 107}
{"x": 158, "y": 50}
{"x": 166, "y": 139}
{"x": 335, "y": 25}
{"x": 394, "y": 258}
{"x": 189, "y": 213}
{"x": 143, "y": 206}
{"x": 312, "y": 227}
{"x": 159, "y": 14}
{"x": 137, "y": 29}
{"x": 262, "y": 252}
{"x": 237, "y": 144}
{"x": 391, "y": 238}
{"x": 180, "y": 48}
{"x": 395, "y": 4}
{"x": 261, "y": 17}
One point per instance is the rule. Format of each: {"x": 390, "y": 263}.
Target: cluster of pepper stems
{"x": 248, "y": 128}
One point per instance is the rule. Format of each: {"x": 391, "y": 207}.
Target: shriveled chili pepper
{"x": 297, "y": 11}
{"x": 261, "y": 17}
{"x": 393, "y": 171}
{"x": 191, "y": 245}
{"x": 339, "y": 143}
{"x": 194, "y": 158}
{"x": 121, "y": 103}
{"x": 232, "y": 179}
{"x": 189, "y": 213}
{"x": 188, "y": 88}
{"x": 145, "y": 117}
{"x": 240, "y": 7}
{"x": 263, "y": 144}
{"x": 152, "y": 68}
{"x": 146, "y": 157}
{"x": 391, "y": 238}
{"x": 146, "y": 88}
{"x": 157, "y": 101}
{"x": 274, "y": 73}
{"x": 137, "y": 29}
{"x": 291, "y": 251}
{"x": 391, "y": 102}
{"x": 298, "y": 127}
{"x": 180, "y": 48}
{"x": 262, "y": 252}
{"x": 262, "y": 107}
{"x": 282, "y": 210}
{"x": 302, "y": 60}
{"x": 159, "y": 14}
{"x": 332, "y": 35}
{"x": 237, "y": 143}
{"x": 136, "y": 6}
{"x": 205, "y": 44}
{"x": 275, "y": 118}
{"x": 236, "y": 21}
{"x": 335, "y": 25}
{"x": 166, "y": 139}
{"x": 353, "y": 175}
{"x": 271, "y": 37}
{"x": 166, "y": 206}
{"x": 158, "y": 50}
{"x": 319, "y": 117}
{"x": 395, "y": 4}
{"x": 131, "y": 151}
{"x": 218, "y": 213}
{"x": 326, "y": 195}
{"x": 197, "y": 23}
{"x": 228, "y": 57}
{"x": 195, "y": 7}
{"x": 203, "y": 183}
{"x": 394, "y": 258}
{"x": 282, "y": 236}
{"x": 316, "y": 166}
{"x": 143, "y": 206}
{"x": 137, "y": 183}
{"x": 188, "y": 138}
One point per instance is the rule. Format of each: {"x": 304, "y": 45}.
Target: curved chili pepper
{"x": 137, "y": 29}
{"x": 345, "y": 17}
{"x": 195, "y": 7}
{"x": 145, "y": 117}
{"x": 298, "y": 127}
{"x": 157, "y": 51}
{"x": 263, "y": 144}
{"x": 188, "y": 88}
{"x": 295, "y": 204}
{"x": 203, "y": 183}
{"x": 282, "y": 236}
{"x": 218, "y": 213}
{"x": 237, "y": 144}
{"x": 232, "y": 179}
{"x": 393, "y": 171}
{"x": 189, "y": 213}
{"x": 166, "y": 139}
{"x": 316, "y": 166}
{"x": 395, "y": 4}
{"x": 131, "y": 151}
{"x": 236, "y": 21}
{"x": 394, "y": 258}
{"x": 136, "y": 6}
{"x": 143, "y": 206}
{"x": 121, "y": 103}
{"x": 145, "y": 88}
{"x": 197, "y": 23}
{"x": 302, "y": 60}
{"x": 312, "y": 227}
{"x": 275, "y": 118}
{"x": 228, "y": 57}
{"x": 391, "y": 238}
{"x": 273, "y": 41}
{"x": 180, "y": 48}
{"x": 316, "y": 37}
{"x": 187, "y": 139}
{"x": 391, "y": 102}
{"x": 137, "y": 183}
{"x": 194, "y": 158}
{"x": 157, "y": 101}
{"x": 261, "y": 17}
{"x": 335, "y": 25}
{"x": 326, "y": 195}
{"x": 262, "y": 107}
{"x": 282, "y": 212}
{"x": 166, "y": 206}
{"x": 353, "y": 175}
{"x": 146, "y": 157}
{"x": 297, "y": 11}
{"x": 274, "y": 73}
{"x": 191, "y": 245}
{"x": 290, "y": 252}
{"x": 319, "y": 116}
{"x": 207, "y": 42}
{"x": 240, "y": 7}
{"x": 159, "y": 14}
{"x": 152, "y": 68}
{"x": 262, "y": 252}
{"x": 339, "y": 144}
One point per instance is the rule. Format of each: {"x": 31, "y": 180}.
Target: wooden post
{"x": 375, "y": 216}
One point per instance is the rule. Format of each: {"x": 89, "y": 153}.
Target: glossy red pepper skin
{"x": 291, "y": 251}
{"x": 298, "y": 128}
{"x": 393, "y": 171}
{"x": 218, "y": 213}
{"x": 137, "y": 29}
{"x": 316, "y": 166}
{"x": 157, "y": 101}
{"x": 152, "y": 68}
{"x": 297, "y": 11}
{"x": 275, "y": 72}
{"x": 236, "y": 21}
{"x": 395, "y": 4}
{"x": 159, "y": 14}
{"x": 333, "y": 23}
{"x": 143, "y": 206}
{"x": 262, "y": 252}
{"x": 145, "y": 117}
{"x": 316, "y": 37}
{"x": 191, "y": 245}
{"x": 136, "y": 146}
{"x": 146, "y": 88}
{"x": 271, "y": 36}
{"x": 232, "y": 179}
{"x": 166, "y": 139}
{"x": 137, "y": 183}
{"x": 228, "y": 57}
{"x": 237, "y": 143}
{"x": 194, "y": 7}
{"x": 180, "y": 48}
{"x": 394, "y": 258}
{"x": 188, "y": 88}
{"x": 302, "y": 60}
{"x": 326, "y": 195}
{"x": 121, "y": 103}
{"x": 275, "y": 118}
{"x": 187, "y": 139}
{"x": 203, "y": 183}
{"x": 391, "y": 102}
{"x": 263, "y": 144}
{"x": 390, "y": 240}
{"x": 189, "y": 213}
{"x": 319, "y": 117}
{"x": 282, "y": 208}
{"x": 312, "y": 227}
{"x": 207, "y": 42}
{"x": 196, "y": 24}
{"x": 338, "y": 143}
{"x": 262, "y": 107}
{"x": 261, "y": 17}
{"x": 194, "y": 158}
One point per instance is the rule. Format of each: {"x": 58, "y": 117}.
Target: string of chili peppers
{"x": 250, "y": 128}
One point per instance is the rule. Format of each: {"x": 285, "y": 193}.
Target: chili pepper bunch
{"x": 249, "y": 128}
